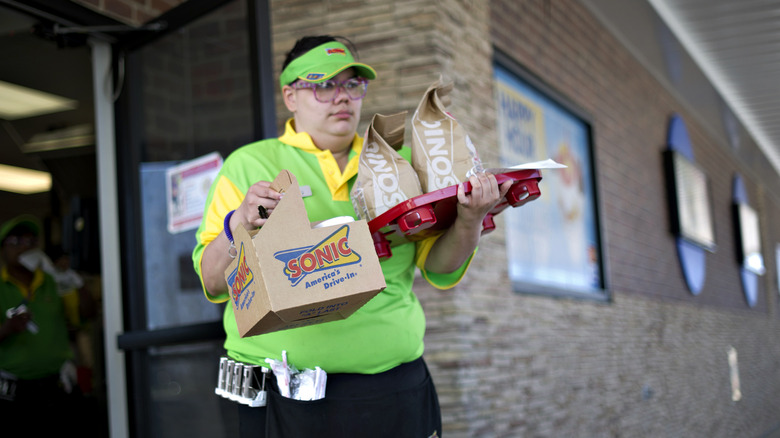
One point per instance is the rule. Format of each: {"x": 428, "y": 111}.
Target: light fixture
{"x": 18, "y": 102}
{"x": 24, "y": 181}
{"x": 70, "y": 137}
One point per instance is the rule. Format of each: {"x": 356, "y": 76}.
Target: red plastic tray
{"x": 432, "y": 213}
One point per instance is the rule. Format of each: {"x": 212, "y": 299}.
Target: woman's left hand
{"x": 484, "y": 195}
{"x": 457, "y": 244}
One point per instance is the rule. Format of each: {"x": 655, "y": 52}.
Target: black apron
{"x": 401, "y": 402}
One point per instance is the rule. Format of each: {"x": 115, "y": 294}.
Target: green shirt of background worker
{"x": 38, "y": 392}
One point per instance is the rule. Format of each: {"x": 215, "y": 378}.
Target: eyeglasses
{"x": 328, "y": 91}
{"x": 21, "y": 241}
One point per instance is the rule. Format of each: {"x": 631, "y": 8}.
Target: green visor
{"x": 29, "y": 223}
{"x": 322, "y": 63}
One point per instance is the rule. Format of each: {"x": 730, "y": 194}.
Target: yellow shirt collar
{"x": 27, "y": 293}
{"x": 338, "y": 181}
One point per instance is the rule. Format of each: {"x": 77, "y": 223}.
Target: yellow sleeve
{"x": 439, "y": 281}
{"x": 226, "y": 197}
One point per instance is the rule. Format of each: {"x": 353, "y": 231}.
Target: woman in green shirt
{"x": 377, "y": 383}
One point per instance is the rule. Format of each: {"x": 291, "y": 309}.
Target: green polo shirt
{"x": 381, "y": 335}
{"x": 30, "y": 355}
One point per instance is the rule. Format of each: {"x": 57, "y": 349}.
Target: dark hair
{"x": 307, "y": 43}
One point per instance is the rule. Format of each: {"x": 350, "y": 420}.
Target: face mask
{"x": 33, "y": 259}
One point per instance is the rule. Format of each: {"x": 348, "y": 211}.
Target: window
{"x": 553, "y": 243}
{"x": 690, "y": 201}
{"x": 749, "y": 238}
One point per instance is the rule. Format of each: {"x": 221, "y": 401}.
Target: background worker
{"x": 37, "y": 394}
{"x": 378, "y": 384}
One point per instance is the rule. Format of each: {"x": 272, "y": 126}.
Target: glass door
{"x": 189, "y": 94}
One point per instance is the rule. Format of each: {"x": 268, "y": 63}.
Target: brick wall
{"x": 396, "y": 38}
{"x": 653, "y": 361}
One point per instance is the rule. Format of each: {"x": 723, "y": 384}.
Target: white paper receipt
{"x": 544, "y": 164}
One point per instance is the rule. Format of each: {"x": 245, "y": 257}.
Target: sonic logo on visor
{"x": 314, "y": 76}
{"x": 335, "y": 51}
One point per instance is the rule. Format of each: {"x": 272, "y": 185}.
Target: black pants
{"x": 41, "y": 407}
{"x": 401, "y": 402}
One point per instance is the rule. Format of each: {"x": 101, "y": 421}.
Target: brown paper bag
{"x": 442, "y": 152}
{"x": 384, "y": 178}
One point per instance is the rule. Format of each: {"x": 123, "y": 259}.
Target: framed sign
{"x": 187, "y": 187}
{"x": 553, "y": 243}
{"x": 689, "y": 200}
{"x": 749, "y": 239}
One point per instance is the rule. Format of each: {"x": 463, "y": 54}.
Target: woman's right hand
{"x": 15, "y": 324}
{"x": 220, "y": 252}
{"x": 250, "y": 213}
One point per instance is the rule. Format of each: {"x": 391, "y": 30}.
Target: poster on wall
{"x": 187, "y": 187}
{"x": 552, "y": 242}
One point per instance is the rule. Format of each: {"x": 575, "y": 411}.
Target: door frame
{"x": 133, "y": 339}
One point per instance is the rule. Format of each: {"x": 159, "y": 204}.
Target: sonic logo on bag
{"x": 439, "y": 156}
{"x": 240, "y": 278}
{"x": 387, "y": 187}
{"x": 332, "y": 252}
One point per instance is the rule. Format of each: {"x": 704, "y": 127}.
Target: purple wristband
{"x": 227, "y": 226}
